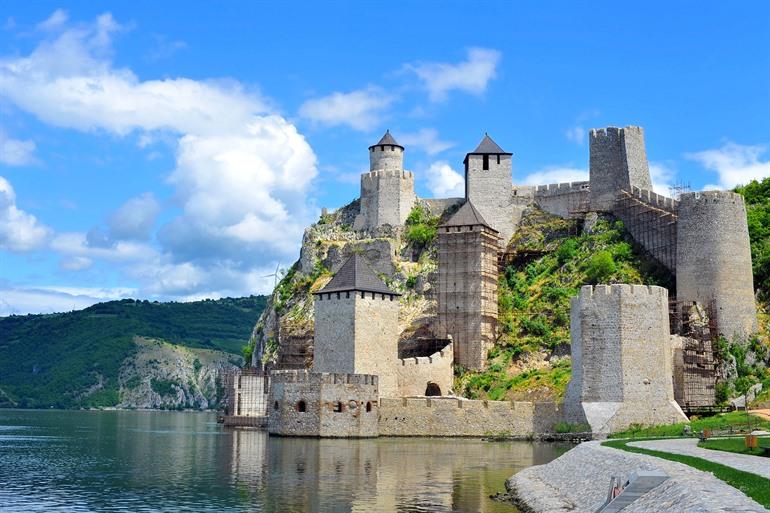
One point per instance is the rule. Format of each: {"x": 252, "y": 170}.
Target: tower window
{"x": 301, "y": 407}
{"x": 338, "y": 407}
{"x": 498, "y": 158}
{"x": 485, "y": 165}
{"x": 368, "y": 406}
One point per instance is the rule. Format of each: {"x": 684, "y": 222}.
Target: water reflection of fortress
{"x": 375, "y": 475}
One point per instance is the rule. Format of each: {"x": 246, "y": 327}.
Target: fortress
{"x": 364, "y": 381}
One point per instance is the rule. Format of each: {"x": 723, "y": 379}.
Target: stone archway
{"x": 432, "y": 389}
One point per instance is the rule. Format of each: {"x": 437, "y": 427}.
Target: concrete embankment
{"x": 578, "y": 481}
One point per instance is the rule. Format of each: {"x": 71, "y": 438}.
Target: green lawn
{"x": 756, "y": 487}
{"x": 738, "y": 421}
{"x": 737, "y": 444}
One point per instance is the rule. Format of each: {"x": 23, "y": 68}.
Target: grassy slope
{"x": 736, "y": 421}
{"x": 756, "y": 487}
{"x": 52, "y": 360}
{"x": 533, "y": 336}
{"x": 737, "y": 445}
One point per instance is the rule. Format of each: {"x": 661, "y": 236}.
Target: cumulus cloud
{"x": 556, "y": 174}
{"x": 242, "y": 177}
{"x": 15, "y": 152}
{"x": 75, "y": 263}
{"x": 663, "y": 177}
{"x": 135, "y": 218}
{"x": 471, "y": 75}
{"x": 734, "y": 164}
{"x": 426, "y": 139}
{"x": 362, "y": 109}
{"x": 57, "y": 19}
{"x": 15, "y": 300}
{"x": 444, "y": 182}
{"x": 19, "y": 230}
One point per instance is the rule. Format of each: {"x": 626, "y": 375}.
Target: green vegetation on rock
{"x": 757, "y": 197}
{"x": 73, "y": 359}
{"x": 421, "y": 226}
{"x": 552, "y": 259}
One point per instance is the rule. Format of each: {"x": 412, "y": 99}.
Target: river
{"x": 138, "y": 461}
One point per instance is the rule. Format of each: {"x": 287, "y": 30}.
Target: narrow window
{"x": 363, "y": 295}
{"x": 347, "y": 295}
{"x": 485, "y": 165}
{"x": 301, "y": 407}
{"x": 275, "y": 405}
{"x": 368, "y": 407}
{"x": 498, "y": 158}
{"x": 338, "y": 407}
{"x": 338, "y": 295}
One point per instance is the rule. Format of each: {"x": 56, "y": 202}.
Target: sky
{"x": 177, "y": 150}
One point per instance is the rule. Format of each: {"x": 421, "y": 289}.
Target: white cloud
{"x": 576, "y": 134}
{"x": 471, "y": 75}
{"x": 242, "y": 177}
{"x": 445, "y": 182}
{"x": 361, "y": 110}
{"x": 16, "y": 300}
{"x": 556, "y": 174}
{"x": 56, "y": 20}
{"x": 75, "y": 263}
{"x": 15, "y": 152}
{"x": 19, "y": 231}
{"x": 663, "y": 177}
{"x": 135, "y": 218}
{"x": 427, "y": 139}
{"x": 735, "y": 164}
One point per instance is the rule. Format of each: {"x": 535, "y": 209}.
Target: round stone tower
{"x": 713, "y": 263}
{"x": 387, "y": 154}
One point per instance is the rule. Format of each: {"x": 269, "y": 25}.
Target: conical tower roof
{"x": 467, "y": 215}
{"x": 387, "y": 140}
{"x": 355, "y": 274}
{"x": 489, "y": 147}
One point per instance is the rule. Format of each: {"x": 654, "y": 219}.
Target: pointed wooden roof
{"x": 387, "y": 140}
{"x": 467, "y": 215}
{"x": 487, "y": 147}
{"x": 355, "y": 274}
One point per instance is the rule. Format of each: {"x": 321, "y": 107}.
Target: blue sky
{"x": 164, "y": 150}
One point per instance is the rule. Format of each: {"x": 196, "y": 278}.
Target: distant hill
{"x": 74, "y": 359}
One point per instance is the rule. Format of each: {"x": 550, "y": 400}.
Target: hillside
{"x": 75, "y": 359}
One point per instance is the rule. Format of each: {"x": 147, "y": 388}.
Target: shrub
{"x": 567, "y": 251}
{"x": 535, "y": 327}
{"x": 600, "y": 267}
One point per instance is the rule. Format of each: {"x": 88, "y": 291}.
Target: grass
{"x": 733, "y": 421}
{"x": 737, "y": 445}
{"x": 756, "y": 487}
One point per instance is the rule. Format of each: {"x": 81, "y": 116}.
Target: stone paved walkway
{"x": 689, "y": 446}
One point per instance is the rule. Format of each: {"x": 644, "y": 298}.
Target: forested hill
{"x": 74, "y": 359}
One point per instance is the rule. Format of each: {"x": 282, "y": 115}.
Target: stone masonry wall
{"x": 334, "y": 404}
{"x": 415, "y": 373}
{"x": 467, "y": 291}
{"x": 714, "y": 259}
{"x": 451, "y": 416}
{"x": 386, "y": 157}
{"x": 491, "y": 192}
{"x": 356, "y": 334}
{"x": 567, "y": 200}
{"x": 387, "y": 197}
{"x": 621, "y": 358}
{"x": 618, "y": 160}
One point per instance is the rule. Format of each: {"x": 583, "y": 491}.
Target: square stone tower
{"x": 467, "y": 286}
{"x": 621, "y": 359}
{"x": 356, "y": 326}
{"x": 488, "y": 184}
{"x": 618, "y": 160}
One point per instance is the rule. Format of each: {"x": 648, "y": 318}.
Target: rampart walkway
{"x": 689, "y": 447}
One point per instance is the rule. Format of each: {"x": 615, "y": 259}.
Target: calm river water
{"x": 155, "y": 461}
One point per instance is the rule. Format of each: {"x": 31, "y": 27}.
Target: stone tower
{"x": 621, "y": 359}
{"x": 467, "y": 285}
{"x": 488, "y": 184}
{"x": 618, "y": 160}
{"x": 356, "y": 326}
{"x": 713, "y": 262}
{"x": 387, "y": 191}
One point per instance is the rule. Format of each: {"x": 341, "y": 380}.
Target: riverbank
{"x": 578, "y": 482}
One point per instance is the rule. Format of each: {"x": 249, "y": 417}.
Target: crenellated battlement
{"x": 613, "y": 132}
{"x": 712, "y": 197}
{"x": 557, "y": 189}
{"x": 654, "y": 199}
{"x": 451, "y": 403}
{"x": 318, "y": 378}
{"x": 444, "y": 354}
{"x": 377, "y": 174}
{"x": 597, "y": 292}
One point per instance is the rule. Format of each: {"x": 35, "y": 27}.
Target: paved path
{"x": 689, "y": 446}
{"x": 765, "y": 414}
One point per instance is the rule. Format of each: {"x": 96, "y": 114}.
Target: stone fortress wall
{"x": 303, "y": 403}
{"x": 415, "y": 374}
{"x": 621, "y": 358}
{"x": 618, "y": 160}
{"x": 568, "y": 200}
{"x": 714, "y": 259}
{"x": 453, "y": 416}
{"x": 490, "y": 191}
